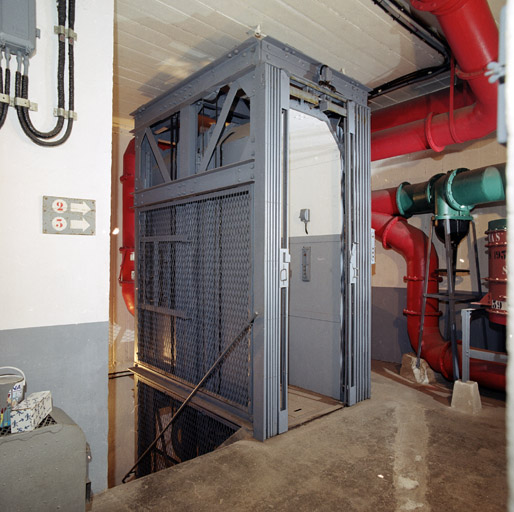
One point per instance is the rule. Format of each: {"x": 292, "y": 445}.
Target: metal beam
{"x": 220, "y": 125}
{"x": 158, "y": 156}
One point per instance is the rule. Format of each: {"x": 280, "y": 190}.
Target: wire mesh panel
{"x": 194, "y": 272}
{"x": 194, "y": 432}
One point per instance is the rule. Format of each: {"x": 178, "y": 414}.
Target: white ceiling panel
{"x": 158, "y": 43}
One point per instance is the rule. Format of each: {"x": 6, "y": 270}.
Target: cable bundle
{"x": 21, "y": 86}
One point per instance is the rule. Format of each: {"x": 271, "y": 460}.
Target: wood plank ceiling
{"x": 158, "y": 43}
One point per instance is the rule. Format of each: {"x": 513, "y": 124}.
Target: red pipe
{"x": 126, "y": 278}
{"x": 395, "y": 233}
{"x": 472, "y": 34}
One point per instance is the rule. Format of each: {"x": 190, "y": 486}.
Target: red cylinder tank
{"x": 497, "y": 245}
{"x": 126, "y": 278}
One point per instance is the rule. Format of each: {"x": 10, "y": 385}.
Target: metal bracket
{"x": 66, "y": 32}
{"x": 23, "y": 102}
{"x": 67, "y": 114}
{"x": 5, "y": 98}
{"x": 373, "y": 261}
{"x": 354, "y": 270}
{"x": 328, "y": 106}
{"x": 495, "y": 72}
{"x": 285, "y": 260}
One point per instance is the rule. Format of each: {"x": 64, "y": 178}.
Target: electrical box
{"x": 18, "y": 26}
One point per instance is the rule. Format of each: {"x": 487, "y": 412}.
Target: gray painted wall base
{"x": 314, "y": 358}
{"x": 389, "y": 339}
{"x": 72, "y": 362}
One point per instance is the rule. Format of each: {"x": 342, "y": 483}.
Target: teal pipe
{"x": 417, "y": 198}
{"x": 452, "y": 195}
{"x": 484, "y": 185}
{"x": 445, "y": 206}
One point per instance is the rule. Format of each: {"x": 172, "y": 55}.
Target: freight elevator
{"x": 253, "y": 247}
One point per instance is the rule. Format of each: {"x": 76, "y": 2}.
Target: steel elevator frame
{"x": 180, "y": 141}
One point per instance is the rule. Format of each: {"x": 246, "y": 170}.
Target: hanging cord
{"x": 453, "y": 133}
{"x": 5, "y": 88}
{"x": 22, "y": 84}
{"x": 221, "y": 357}
{"x": 2, "y": 105}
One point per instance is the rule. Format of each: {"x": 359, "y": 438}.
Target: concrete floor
{"x": 404, "y": 449}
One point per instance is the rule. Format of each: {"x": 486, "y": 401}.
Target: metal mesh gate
{"x": 194, "y": 273}
{"x": 194, "y": 433}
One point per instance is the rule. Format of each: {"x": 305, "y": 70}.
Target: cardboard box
{"x": 29, "y": 413}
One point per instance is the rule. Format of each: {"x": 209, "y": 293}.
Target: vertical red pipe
{"x": 126, "y": 278}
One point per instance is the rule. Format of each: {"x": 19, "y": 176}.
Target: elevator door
{"x": 315, "y": 246}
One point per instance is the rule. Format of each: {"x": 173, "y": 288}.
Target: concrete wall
{"x": 389, "y": 337}
{"x": 54, "y": 308}
{"x": 121, "y": 334}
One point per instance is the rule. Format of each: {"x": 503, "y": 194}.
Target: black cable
{"x": 412, "y": 26}
{"x": 61, "y": 15}
{"x": 4, "y": 107}
{"x": 412, "y": 78}
{"x": 416, "y": 28}
{"x": 22, "y": 86}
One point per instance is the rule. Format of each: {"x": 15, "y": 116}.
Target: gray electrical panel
{"x": 18, "y": 26}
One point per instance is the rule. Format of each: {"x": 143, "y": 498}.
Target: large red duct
{"x": 417, "y": 108}
{"x": 395, "y": 233}
{"x": 472, "y": 34}
{"x": 126, "y": 277}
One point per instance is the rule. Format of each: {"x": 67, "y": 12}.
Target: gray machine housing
{"x": 45, "y": 469}
{"x": 212, "y": 240}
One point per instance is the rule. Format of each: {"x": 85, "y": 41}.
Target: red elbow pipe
{"x": 395, "y": 233}
{"x": 126, "y": 277}
{"x": 472, "y": 34}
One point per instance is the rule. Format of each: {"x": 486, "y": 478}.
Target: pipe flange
{"x": 407, "y": 279}
{"x": 448, "y": 194}
{"x": 410, "y": 312}
{"x": 470, "y": 75}
{"x": 386, "y": 231}
{"x": 398, "y": 201}
{"x": 428, "y": 134}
